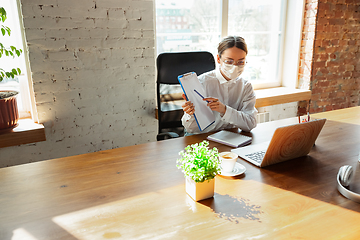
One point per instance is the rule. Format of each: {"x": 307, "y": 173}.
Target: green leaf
{"x": 3, "y": 14}
{"x": 199, "y": 162}
{"x": 8, "y": 30}
{"x": 11, "y": 51}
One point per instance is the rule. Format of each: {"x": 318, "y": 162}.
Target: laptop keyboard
{"x": 256, "y": 156}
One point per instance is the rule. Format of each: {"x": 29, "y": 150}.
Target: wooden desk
{"x": 137, "y": 192}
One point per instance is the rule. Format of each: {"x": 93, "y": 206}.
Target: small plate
{"x": 238, "y": 169}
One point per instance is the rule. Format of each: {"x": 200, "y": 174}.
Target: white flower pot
{"x": 200, "y": 191}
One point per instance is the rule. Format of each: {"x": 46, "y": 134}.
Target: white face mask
{"x": 231, "y": 71}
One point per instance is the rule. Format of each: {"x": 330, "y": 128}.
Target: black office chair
{"x": 169, "y": 67}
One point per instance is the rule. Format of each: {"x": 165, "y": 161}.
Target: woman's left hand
{"x": 215, "y": 105}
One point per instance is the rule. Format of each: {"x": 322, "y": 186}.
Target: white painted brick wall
{"x": 93, "y": 70}
{"x": 280, "y": 111}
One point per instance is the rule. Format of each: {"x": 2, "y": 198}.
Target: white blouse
{"x": 237, "y": 94}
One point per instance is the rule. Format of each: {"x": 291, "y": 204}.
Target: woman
{"x": 231, "y": 98}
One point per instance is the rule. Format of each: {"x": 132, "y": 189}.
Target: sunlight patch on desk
{"x": 130, "y": 218}
{"x": 347, "y": 115}
{"x": 169, "y": 213}
{"x": 21, "y": 234}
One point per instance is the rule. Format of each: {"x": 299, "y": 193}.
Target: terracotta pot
{"x": 9, "y": 114}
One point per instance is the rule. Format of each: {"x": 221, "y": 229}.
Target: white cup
{"x": 228, "y": 160}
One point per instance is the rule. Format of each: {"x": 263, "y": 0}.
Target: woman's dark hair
{"x": 232, "y": 41}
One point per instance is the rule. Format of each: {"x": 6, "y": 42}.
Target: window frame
{"x": 289, "y": 52}
{"x": 27, "y": 97}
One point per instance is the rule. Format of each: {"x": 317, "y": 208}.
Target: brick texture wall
{"x": 330, "y": 64}
{"x": 93, "y": 71}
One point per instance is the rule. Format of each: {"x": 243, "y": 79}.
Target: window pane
{"x": 19, "y": 83}
{"x": 259, "y": 22}
{"x": 193, "y": 25}
{"x": 187, "y": 25}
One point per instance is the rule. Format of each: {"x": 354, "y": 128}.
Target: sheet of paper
{"x": 203, "y": 114}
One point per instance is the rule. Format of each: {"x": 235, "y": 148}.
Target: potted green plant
{"x": 8, "y": 106}
{"x": 200, "y": 165}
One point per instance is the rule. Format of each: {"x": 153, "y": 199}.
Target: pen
{"x": 200, "y": 95}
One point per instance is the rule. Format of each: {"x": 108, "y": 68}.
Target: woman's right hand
{"x": 188, "y": 107}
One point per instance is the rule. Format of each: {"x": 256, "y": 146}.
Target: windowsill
{"x": 280, "y": 95}
{"x": 25, "y": 132}
{"x": 264, "y": 98}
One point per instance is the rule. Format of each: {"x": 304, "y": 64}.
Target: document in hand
{"x": 194, "y": 93}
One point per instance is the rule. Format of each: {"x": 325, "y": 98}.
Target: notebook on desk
{"x": 287, "y": 143}
{"x": 230, "y": 138}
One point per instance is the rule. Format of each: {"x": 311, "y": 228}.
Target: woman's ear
{"x": 218, "y": 59}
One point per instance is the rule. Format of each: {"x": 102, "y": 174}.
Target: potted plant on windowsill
{"x": 200, "y": 165}
{"x": 9, "y": 114}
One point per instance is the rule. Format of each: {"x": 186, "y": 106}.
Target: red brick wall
{"x": 333, "y": 68}
{"x": 307, "y": 50}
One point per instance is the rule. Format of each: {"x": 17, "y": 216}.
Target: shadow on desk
{"x": 232, "y": 208}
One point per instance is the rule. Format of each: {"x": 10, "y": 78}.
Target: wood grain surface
{"x": 292, "y": 141}
{"x": 137, "y": 192}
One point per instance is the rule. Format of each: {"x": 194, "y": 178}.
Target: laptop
{"x": 287, "y": 143}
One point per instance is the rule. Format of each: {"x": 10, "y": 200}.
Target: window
{"x": 196, "y": 33}
{"x": 260, "y": 22}
{"x": 19, "y": 83}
